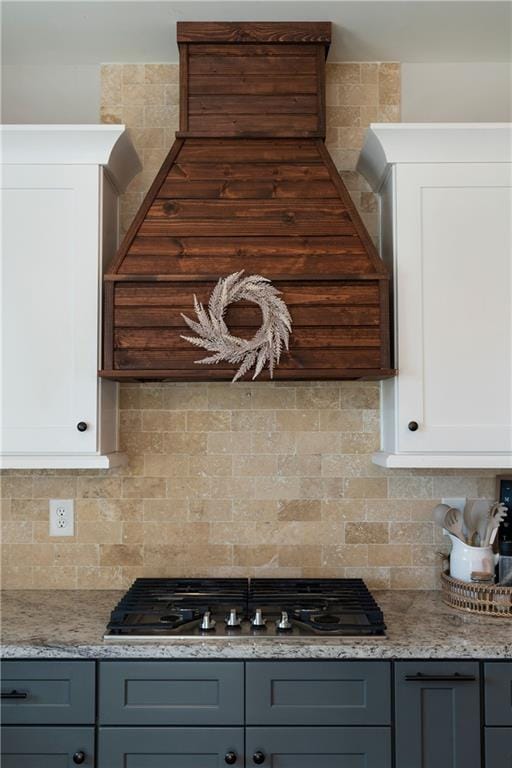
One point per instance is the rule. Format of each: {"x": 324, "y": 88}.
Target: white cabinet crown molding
{"x": 106, "y": 145}
{"x": 388, "y": 144}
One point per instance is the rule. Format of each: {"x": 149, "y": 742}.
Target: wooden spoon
{"x": 454, "y": 523}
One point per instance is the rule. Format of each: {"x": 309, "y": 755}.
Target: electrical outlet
{"x": 62, "y": 517}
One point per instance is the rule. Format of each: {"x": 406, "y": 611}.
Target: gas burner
{"x": 237, "y": 608}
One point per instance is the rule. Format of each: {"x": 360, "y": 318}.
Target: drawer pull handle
{"x": 455, "y": 678}
{"x": 79, "y": 758}
{"x": 14, "y": 695}
{"x": 258, "y": 758}
{"x": 230, "y": 758}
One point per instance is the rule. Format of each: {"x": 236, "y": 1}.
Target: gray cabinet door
{"x": 33, "y": 747}
{"x": 171, "y": 693}
{"x": 498, "y": 748}
{"x": 437, "y": 715}
{"x": 318, "y": 693}
{"x": 47, "y": 692}
{"x": 319, "y": 747}
{"x": 498, "y": 693}
{"x": 170, "y": 747}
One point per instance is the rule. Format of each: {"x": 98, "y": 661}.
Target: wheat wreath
{"x": 266, "y": 345}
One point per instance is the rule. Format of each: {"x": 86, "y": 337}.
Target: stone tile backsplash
{"x": 247, "y": 479}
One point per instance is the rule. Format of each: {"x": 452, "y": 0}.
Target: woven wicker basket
{"x": 491, "y": 600}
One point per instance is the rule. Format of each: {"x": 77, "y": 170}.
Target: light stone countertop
{"x": 70, "y": 624}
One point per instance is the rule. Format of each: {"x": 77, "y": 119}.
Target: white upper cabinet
{"x": 60, "y": 187}
{"x": 446, "y": 232}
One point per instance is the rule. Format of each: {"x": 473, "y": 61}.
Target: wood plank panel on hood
{"x": 248, "y": 185}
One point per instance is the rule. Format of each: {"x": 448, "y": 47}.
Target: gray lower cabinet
{"x": 170, "y": 747}
{"x": 498, "y": 693}
{"x": 171, "y": 693}
{"x": 47, "y": 747}
{"x": 48, "y": 692}
{"x": 318, "y": 747}
{"x": 498, "y": 748}
{"x": 318, "y": 693}
{"x": 437, "y": 715}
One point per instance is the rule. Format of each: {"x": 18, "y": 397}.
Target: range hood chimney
{"x": 249, "y": 185}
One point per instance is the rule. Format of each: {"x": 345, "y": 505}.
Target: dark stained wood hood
{"x": 249, "y": 185}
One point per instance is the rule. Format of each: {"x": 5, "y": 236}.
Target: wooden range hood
{"x": 249, "y": 185}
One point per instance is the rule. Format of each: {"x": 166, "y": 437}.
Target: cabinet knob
{"x": 79, "y": 758}
{"x": 81, "y": 426}
{"x": 413, "y": 426}
{"x": 230, "y": 758}
{"x": 258, "y": 758}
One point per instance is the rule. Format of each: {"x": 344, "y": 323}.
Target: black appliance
{"x": 155, "y": 609}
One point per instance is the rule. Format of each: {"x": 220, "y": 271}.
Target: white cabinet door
{"x": 50, "y": 263}
{"x": 453, "y": 257}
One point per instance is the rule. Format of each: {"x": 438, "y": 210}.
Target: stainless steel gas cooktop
{"x": 160, "y": 609}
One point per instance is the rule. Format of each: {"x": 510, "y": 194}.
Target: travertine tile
{"x": 366, "y": 533}
{"x": 299, "y": 510}
{"x": 261, "y": 479}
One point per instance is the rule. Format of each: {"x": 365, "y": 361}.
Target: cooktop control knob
{"x": 284, "y": 622}
{"x": 232, "y": 620}
{"x": 257, "y": 621}
{"x": 207, "y": 623}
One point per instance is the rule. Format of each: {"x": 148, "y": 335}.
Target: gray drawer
{"x": 171, "y": 693}
{"x": 47, "y": 692}
{"x": 318, "y": 693}
{"x": 320, "y": 747}
{"x": 169, "y": 747}
{"x": 32, "y": 747}
{"x": 498, "y": 747}
{"x": 498, "y": 693}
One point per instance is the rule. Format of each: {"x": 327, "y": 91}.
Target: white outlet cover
{"x": 62, "y": 517}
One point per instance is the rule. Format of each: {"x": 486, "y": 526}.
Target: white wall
{"x": 50, "y": 94}
{"x": 465, "y": 92}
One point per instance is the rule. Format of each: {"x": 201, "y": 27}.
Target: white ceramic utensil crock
{"x": 465, "y": 559}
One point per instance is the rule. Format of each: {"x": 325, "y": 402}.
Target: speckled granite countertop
{"x": 70, "y": 624}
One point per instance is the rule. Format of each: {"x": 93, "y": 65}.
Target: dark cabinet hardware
{"x": 258, "y": 758}
{"x": 79, "y": 758}
{"x": 81, "y": 426}
{"x": 455, "y": 678}
{"x": 230, "y": 758}
{"x": 14, "y": 695}
{"x": 413, "y": 426}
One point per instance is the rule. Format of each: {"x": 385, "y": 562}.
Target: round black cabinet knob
{"x": 258, "y": 758}
{"x": 230, "y": 758}
{"x": 79, "y": 758}
{"x": 81, "y": 426}
{"x": 413, "y": 426}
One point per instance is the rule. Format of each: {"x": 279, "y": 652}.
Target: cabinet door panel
{"x": 437, "y": 715}
{"x": 320, "y": 747}
{"x": 498, "y": 693}
{"x": 169, "y": 747}
{"x": 50, "y": 307}
{"x": 498, "y": 747}
{"x": 171, "y": 693}
{"x": 47, "y": 692}
{"x": 318, "y": 693}
{"x": 46, "y": 747}
{"x": 453, "y": 275}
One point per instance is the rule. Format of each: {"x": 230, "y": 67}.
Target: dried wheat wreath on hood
{"x": 266, "y": 345}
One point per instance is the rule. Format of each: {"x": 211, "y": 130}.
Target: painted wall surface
{"x": 246, "y": 479}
